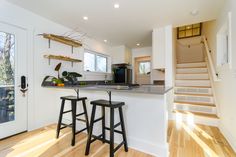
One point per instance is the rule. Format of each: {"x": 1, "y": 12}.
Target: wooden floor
{"x": 197, "y": 141}
{"x": 42, "y": 143}
{"x": 185, "y": 141}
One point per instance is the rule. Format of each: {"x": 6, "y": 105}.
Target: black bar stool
{"x": 75, "y": 116}
{"x": 112, "y": 105}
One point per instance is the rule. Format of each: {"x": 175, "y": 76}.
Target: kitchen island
{"x": 145, "y": 113}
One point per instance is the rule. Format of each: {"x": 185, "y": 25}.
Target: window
{"x": 224, "y": 44}
{"x": 95, "y": 62}
{"x": 144, "y": 68}
{"x": 189, "y": 31}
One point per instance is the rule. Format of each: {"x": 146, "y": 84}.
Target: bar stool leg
{"x": 103, "y": 125}
{"x": 60, "y": 118}
{"x": 123, "y": 129}
{"x": 86, "y": 115}
{"x": 112, "y": 133}
{"x": 73, "y": 106}
{"x": 90, "y": 131}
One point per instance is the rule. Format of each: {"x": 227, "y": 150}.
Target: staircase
{"x": 193, "y": 98}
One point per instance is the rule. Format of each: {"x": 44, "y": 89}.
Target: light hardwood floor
{"x": 185, "y": 141}
{"x": 197, "y": 141}
{"x": 42, "y": 143}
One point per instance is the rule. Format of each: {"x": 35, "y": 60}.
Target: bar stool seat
{"x": 106, "y": 103}
{"x": 112, "y": 105}
{"x": 70, "y": 98}
{"x": 75, "y": 116}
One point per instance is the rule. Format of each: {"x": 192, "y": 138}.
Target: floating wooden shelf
{"x": 62, "y": 58}
{"x": 62, "y": 39}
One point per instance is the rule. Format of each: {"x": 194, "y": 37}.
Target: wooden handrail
{"x": 210, "y": 62}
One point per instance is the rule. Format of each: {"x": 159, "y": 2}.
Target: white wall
{"x": 146, "y": 51}
{"x": 121, "y": 54}
{"x": 43, "y": 106}
{"x": 186, "y": 54}
{"x": 226, "y": 88}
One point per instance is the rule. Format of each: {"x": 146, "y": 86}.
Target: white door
{"x": 13, "y": 65}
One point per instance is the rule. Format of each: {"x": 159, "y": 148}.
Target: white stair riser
{"x": 191, "y": 65}
{"x": 186, "y": 90}
{"x": 199, "y": 83}
{"x": 191, "y": 70}
{"x": 200, "y": 99}
{"x": 195, "y": 108}
{"x": 195, "y": 119}
{"x": 191, "y": 76}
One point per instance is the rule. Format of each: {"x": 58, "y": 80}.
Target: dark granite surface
{"x": 146, "y": 89}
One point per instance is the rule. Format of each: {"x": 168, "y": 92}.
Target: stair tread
{"x": 193, "y": 86}
{"x": 195, "y": 104}
{"x": 191, "y": 63}
{"x": 197, "y": 114}
{"x": 194, "y": 79}
{"x": 192, "y": 67}
{"x": 193, "y": 94}
{"x": 191, "y": 72}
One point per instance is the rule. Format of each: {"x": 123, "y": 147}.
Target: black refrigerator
{"x": 122, "y": 73}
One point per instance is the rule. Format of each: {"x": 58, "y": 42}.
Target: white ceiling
{"x": 130, "y": 24}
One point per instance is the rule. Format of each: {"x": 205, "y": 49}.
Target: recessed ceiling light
{"x": 85, "y": 18}
{"x": 194, "y": 12}
{"x": 138, "y": 44}
{"x": 116, "y": 5}
{"x": 105, "y": 40}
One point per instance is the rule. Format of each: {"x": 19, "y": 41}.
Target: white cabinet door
{"x": 158, "y": 48}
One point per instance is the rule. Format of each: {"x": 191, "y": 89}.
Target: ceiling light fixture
{"x": 105, "y": 40}
{"x": 194, "y": 12}
{"x": 116, "y": 6}
{"x": 138, "y": 44}
{"x": 85, "y": 18}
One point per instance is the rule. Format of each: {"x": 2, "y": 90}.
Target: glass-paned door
{"x": 7, "y": 97}
{"x": 13, "y": 65}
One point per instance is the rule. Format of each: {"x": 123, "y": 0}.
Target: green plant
{"x": 57, "y": 68}
{"x": 71, "y": 76}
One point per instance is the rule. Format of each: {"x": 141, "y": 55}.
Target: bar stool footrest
{"x": 82, "y": 120}
{"x": 67, "y": 111}
{"x": 81, "y": 130}
{"x": 97, "y": 120}
{"x": 99, "y": 137}
{"x": 116, "y": 131}
{"x": 80, "y": 114}
{"x": 118, "y": 147}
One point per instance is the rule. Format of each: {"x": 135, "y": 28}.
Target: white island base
{"x": 145, "y": 114}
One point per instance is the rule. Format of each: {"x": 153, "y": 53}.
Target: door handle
{"x": 23, "y": 85}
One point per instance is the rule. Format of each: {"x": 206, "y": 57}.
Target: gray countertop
{"x": 146, "y": 89}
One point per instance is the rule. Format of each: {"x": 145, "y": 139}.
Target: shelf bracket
{"x": 72, "y": 64}
{"x": 49, "y": 43}
{"x": 72, "y": 49}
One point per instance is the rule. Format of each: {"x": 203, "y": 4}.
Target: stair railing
{"x": 213, "y": 72}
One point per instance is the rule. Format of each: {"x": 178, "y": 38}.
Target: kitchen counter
{"x": 146, "y": 89}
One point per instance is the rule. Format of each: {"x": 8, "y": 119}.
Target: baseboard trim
{"x": 149, "y": 148}
{"x": 229, "y": 137}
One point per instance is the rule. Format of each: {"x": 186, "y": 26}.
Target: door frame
{"x": 136, "y": 61}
